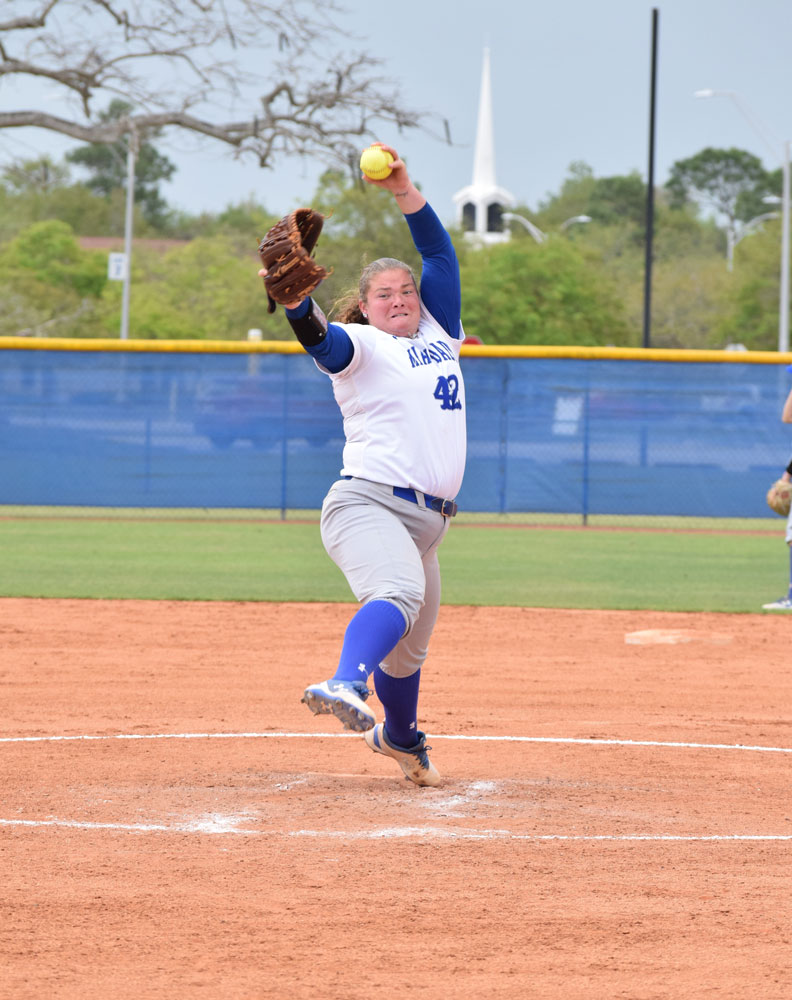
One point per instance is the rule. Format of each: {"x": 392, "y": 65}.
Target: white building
{"x": 481, "y": 204}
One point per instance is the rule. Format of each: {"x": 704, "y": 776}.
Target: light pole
{"x": 535, "y": 231}
{"x": 571, "y": 222}
{"x": 783, "y": 307}
{"x": 132, "y": 150}
{"x": 746, "y": 230}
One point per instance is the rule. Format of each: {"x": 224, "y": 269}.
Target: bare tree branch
{"x": 179, "y": 63}
{"x": 29, "y": 20}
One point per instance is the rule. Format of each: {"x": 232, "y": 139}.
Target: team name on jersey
{"x": 434, "y": 353}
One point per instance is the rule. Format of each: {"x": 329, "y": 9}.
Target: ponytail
{"x": 347, "y": 310}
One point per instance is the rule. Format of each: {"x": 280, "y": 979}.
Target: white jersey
{"x": 403, "y": 404}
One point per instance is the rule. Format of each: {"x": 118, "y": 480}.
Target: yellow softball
{"x": 375, "y": 162}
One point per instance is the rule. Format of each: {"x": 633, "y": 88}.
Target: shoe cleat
{"x": 782, "y": 604}
{"x": 343, "y": 699}
{"x": 413, "y": 761}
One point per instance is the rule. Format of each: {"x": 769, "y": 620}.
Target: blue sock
{"x": 399, "y": 697}
{"x": 370, "y": 636}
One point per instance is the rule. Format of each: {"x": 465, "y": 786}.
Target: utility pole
{"x": 647, "y": 317}
{"x": 132, "y": 150}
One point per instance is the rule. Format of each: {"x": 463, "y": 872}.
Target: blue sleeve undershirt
{"x": 440, "y": 290}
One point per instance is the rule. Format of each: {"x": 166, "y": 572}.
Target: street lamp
{"x": 573, "y": 220}
{"x": 783, "y": 309}
{"x": 746, "y": 230}
{"x": 535, "y": 231}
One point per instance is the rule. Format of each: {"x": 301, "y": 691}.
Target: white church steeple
{"x": 480, "y": 205}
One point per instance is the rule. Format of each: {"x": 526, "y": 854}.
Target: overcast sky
{"x": 570, "y": 81}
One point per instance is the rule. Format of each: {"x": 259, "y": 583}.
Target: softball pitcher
{"x": 393, "y": 359}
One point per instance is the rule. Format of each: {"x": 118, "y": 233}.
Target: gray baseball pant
{"x": 386, "y": 547}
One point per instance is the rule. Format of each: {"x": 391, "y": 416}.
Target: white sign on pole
{"x": 116, "y": 266}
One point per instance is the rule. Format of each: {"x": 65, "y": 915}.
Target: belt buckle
{"x": 448, "y": 508}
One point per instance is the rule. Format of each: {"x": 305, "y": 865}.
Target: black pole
{"x": 647, "y": 319}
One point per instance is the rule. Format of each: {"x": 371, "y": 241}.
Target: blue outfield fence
{"x": 590, "y": 435}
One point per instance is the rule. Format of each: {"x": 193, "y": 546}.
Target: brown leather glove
{"x": 779, "y": 496}
{"x": 286, "y": 253}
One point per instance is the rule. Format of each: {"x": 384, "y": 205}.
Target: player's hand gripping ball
{"x": 375, "y": 163}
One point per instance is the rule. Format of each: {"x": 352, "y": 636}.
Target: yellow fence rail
{"x": 470, "y": 350}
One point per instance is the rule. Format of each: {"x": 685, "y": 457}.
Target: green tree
{"x": 607, "y": 200}
{"x": 572, "y": 199}
{"x": 717, "y": 177}
{"x": 732, "y": 181}
{"x": 42, "y": 174}
{"x": 50, "y": 253}
{"x": 754, "y": 292}
{"x": 618, "y": 199}
{"x": 751, "y": 204}
{"x": 583, "y": 286}
{"x": 106, "y": 164}
{"x": 679, "y": 233}
{"x": 247, "y": 219}
{"x": 526, "y": 293}
{"x": 690, "y": 301}
{"x": 38, "y": 190}
{"x": 48, "y": 284}
{"x": 204, "y": 290}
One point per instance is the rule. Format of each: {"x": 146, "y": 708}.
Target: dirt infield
{"x": 615, "y": 818}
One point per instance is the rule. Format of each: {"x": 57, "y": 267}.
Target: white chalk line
{"x": 218, "y": 825}
{"x": 582, "y": 741}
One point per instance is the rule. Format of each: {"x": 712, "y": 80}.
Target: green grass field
{"x": 240, "y": 555}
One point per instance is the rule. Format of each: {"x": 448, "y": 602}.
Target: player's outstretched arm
{"x": 328, "y": 343}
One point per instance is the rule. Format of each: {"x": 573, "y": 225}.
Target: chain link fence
{"x": 591, "y": 434}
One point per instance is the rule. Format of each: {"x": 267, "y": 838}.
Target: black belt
{"x": 445, "y": 507}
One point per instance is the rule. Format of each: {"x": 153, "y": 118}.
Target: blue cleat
{"x": 343, "y": 699}
{"x": 412, "y": 760}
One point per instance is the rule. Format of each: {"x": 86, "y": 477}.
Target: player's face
{"x": 392, "y": 303}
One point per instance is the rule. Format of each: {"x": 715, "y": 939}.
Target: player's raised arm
{"x": 440, "y": 288}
